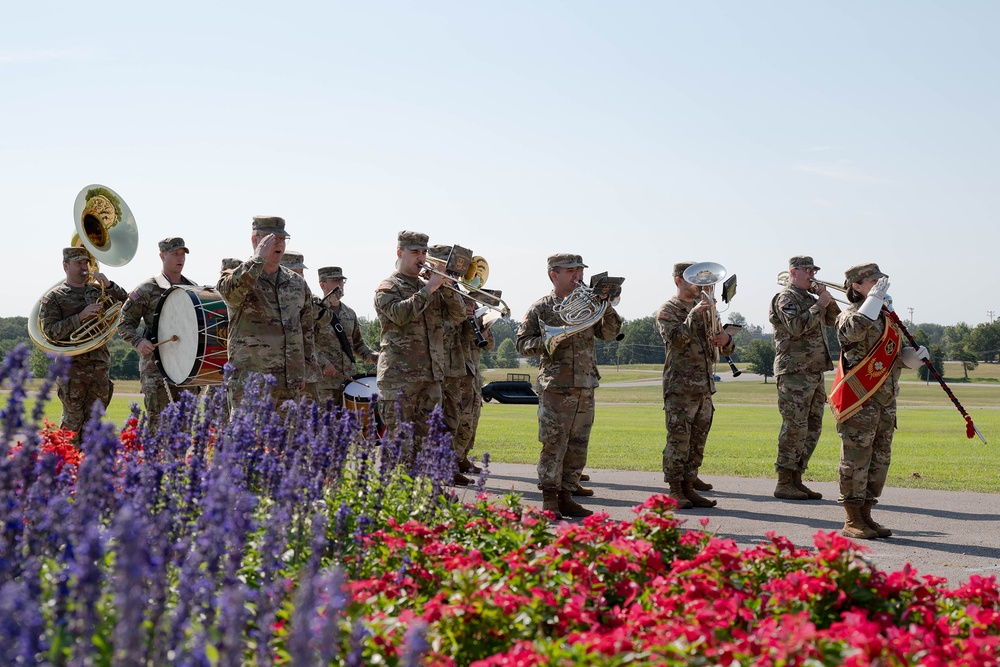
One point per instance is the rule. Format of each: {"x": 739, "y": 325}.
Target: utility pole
{"x": 911, "y": 315}
{"x": 991, "y": 314}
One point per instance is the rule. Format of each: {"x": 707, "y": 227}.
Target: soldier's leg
{"x": 387, "y": 403}
{"x": 679, "y": 416}
{"x": 701, "y": 424}
{"x": 336, "y": 393}
{"x": 155, "y": 398}
{"x": 881, "y": 452}
{"x": 579, "y": 438}
{"x": 814, "y": 428}
{"x": 72, "y": 396}
{"x": 794, "y": 405}
{"x": 416, "y": 401}
{"x": 555, "y": 414}
{"x": 466, "y": 418}
{"x": 856, "y": 437}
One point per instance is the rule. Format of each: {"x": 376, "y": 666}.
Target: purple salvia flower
{"x": 128, "y": 582}
{"x": 86, "y": 591}
{"x": 331, "y": 600}
{"x": 232, "y": 623}
{"x": 356, "y": 655}
{"x": 416, "y": 644}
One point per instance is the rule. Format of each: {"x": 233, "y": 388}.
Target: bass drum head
{"x": 176, "y": 316}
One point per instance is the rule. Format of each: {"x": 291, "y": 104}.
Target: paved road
{"x": 945, "y": 533}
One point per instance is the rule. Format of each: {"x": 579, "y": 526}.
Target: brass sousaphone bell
{"x": 106, "y": 227}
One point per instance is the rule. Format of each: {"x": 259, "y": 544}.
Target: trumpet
{"x": 467, "y": 284}
{"x": 785, "y": 279}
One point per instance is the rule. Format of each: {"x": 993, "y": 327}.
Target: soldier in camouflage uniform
{"x": 567, "y": 378}
{"x": 270, "y": 316}
{"x": 411, "y": 361}
{"x": 295, "y": 262}
{"x": 337, "y": 356}
{"x": 798, "y": 314}
{"x": 140, "y": 309}
{"x": 63, "y": 310}
{"x": 688, "y": 385}
{"x": 866, "y": 436}
{"x": 471, "y": 386}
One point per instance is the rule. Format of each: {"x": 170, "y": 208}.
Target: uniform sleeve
{"x": 795, "y": 319}
{"x": 234, "y": 287}
{"x": 831, "y": 314}
{"x": 454, "y": 305}
{"x": 132, "y": 313}
{"x": 390, "y": 304}
{"x": 852, "y": 327}
{"x": 609, "y": 326}
{"x": 675, "y": 330}
{"x": 116, "y": 293}
{"x": 362, "y": 350}
{"x": 530, "y": 340}
{"x": 54, "y": 325}
{"x": 307, "y": 321}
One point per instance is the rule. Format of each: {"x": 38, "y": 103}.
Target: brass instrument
{"x": 785, "y": 279}
{"x": 580, "y": 309}
{"x": 466, "y": 280}
{"x": 106, "y": 227}
{"x": 707, "y": 275}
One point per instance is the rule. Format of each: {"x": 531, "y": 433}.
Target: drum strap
{"x": 344, "y": 343}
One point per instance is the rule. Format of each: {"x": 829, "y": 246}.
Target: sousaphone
{"x": 106, "y": 227}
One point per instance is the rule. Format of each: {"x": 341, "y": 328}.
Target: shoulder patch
{"x": 385, "y": 286}
{"x": 788, "y": 307}
{"x": 664, "y": 315}
{"x": 134, "y": 295}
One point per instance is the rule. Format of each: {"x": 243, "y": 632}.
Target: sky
{"x": 636, "y": 134}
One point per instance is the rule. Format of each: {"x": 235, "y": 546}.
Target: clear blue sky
{"x": 634, "y": 133}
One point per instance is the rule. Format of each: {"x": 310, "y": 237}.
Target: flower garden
{"x": 301, "y": 540}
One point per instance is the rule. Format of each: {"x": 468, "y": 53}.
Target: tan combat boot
{"x": 797, "y": 481}
{"x": 677, "y": 494}
{"x": 687, "y": 488}
{"x": 786, "y": 489}
{"x": 550, "y": 502}
{"x": 855, "y": 526}
{"x": 866, "y": 514}
{"x": 584, "y": 477}
{"x": 570, "y": 507}
{"x": 699, "y": 485}
{"x": 582, "y": 491}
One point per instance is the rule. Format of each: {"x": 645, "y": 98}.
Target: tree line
{"x": 641, "y": 344}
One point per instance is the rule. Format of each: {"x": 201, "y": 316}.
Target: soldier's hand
{"x": 145, "y": 348}
{"x": 824, "y": 295}
{"x": 436, "y": 280}
{"x": 720, "y": 339}
{"x": 703, "y": 305}
{"x": 329, "y": 370}
{"x": 93, "y": 310}
{"x": 101, "y": 279}
{"x": 265, "y": 245}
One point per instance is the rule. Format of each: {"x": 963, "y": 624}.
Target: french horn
{"x": 106, "y": 227}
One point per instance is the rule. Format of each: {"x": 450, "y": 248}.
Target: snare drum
{"x": 361, "y": 397}
{"x": 198, "y": 317}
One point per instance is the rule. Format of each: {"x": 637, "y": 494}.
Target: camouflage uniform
{"x": 411, "y": 363}
{"x": 330, "y": 351}
{"x": 801, "y": 359}
{"x": 141, "y": 308}
{"x": 270, "y": 327}
{"x": 567, "y": 379}
{"x": 89, "y": 377}
{"x": 470, "y": 390}
{"x": 866, "y": 436}
{"x": 688, "y": 385}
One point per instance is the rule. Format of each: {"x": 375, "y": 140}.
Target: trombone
{"x": 785, "y": 279}
{"x": 468, "y": 284}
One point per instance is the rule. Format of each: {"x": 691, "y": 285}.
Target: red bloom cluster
{"x": 58, "y": 442}
{"x": 510, "y": 593}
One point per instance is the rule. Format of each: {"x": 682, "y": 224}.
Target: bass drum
{"x": 361, "y": 398}
{"x": 191, "y": 327}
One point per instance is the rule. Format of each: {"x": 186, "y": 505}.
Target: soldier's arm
{"x": 389, "y": 303}
{"x": 831, "y": 313}
{"x": 797, "y": 320}
{"x": 234, "y": 287}
{"x": 852, "y": 327}
{"x": 454, "y": 305}
{"x": 530, "y": 340}
{"x": 675, "y": 328}
{"x": 116, "y": 293}
{"x": 132, "y": 313}
{"x": 361, "y": 350}
{"x": 307, "y": 321}
{"x": 729, "y": 347}
{"x": 609, "y": 326}
{"x": 54, "y": 325}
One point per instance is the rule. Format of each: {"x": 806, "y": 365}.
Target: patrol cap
{"x": 565, "y": 260}
{"x": 293, "y": 260}
{"x": 269, "y": 224}
{"x": 439, "y": 251}
{"x": 680, "y": 267}
{"x": 407, "y": 240}
{"x": 331, "y": 273}
{"x": 172, "y": 243}
{"x": 860, "y": 272}
{"x": 73, "y": 254}
{"x": 802, "y": 262}
{"x": 230, "y": 263}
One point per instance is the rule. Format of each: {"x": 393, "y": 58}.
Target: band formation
{"x": 435, "y": 321}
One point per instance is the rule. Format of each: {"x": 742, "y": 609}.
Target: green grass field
{"x": 930, "y": 449}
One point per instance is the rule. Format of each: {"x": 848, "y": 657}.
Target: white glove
{"x": 914, "y": 357}
{"x": 876, "y": 297}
